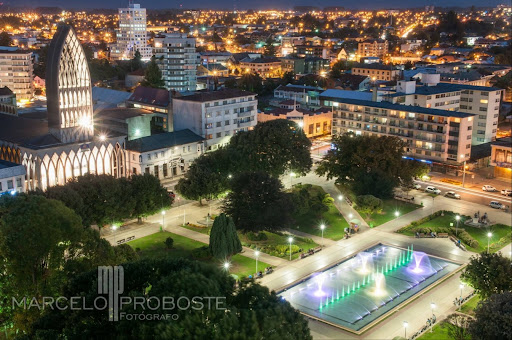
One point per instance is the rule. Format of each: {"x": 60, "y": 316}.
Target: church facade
{"x": 65, "y": 144}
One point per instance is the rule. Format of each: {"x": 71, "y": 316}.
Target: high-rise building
{"x": 17, "y": 73}
{"x": 372, "y": 48}
{"x": 178, "y": 59}
{"x": 131, "y": 35}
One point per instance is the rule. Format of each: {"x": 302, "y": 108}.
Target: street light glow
{"x": 257, "y": 253}
{"x": 457, "y": 217}
{"x": 163, "y": 212}
{"x": 397, "y": 213}
{"x": 489, "y": 234}
{"x": 322, "y": 226}
{"x": 340, "y": 197}
{"x": 405, "y": 324}
{"x": 290, "y": 239}
{"x": 226, "y": 265}
{"x": 350, "y": 216}
{"x": 114, "y": 226}
{"x": 432, "y": 305}
{"x": 102, "y": 138}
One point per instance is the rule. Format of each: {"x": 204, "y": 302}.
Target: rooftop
{"x": 122, "y": 113}
{"x": 334, "y": 93}
{"x": 150, "y": 96}
{"x": 163, "y": 141}
{"x": 376, "y": 67}
{"x": 5, "y": 91}
{"x": 216, "y": 95}
{"x": 398, "y": 107}
{"x": 297, "y": 88}
{"x": 7, "y": 164}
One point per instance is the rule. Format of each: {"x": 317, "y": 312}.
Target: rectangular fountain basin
{"x": 355, "y": 293}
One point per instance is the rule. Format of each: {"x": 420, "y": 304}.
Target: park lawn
{"x": 439, "y": 332}
{"x": 470, "y": 305}
{"x": 277, "y": 239}
{"x": 390, "y": 206}
{"x": 203, "y": 230}
{"x": 153, "y": 246}
{"x": 310, "y": 222}
{"x": 499, "y": 232}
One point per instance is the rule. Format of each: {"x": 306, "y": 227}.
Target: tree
{"x": 369, "y": 204}
{"x": 136, "y": 62}
{"x": 275, "y": 147}
{"x": 251, "y": 82}
{"x": 270, "y": 49}
{"x": 169, "y": 242}
{"x": 492, "y": 318}
{"x": 256, "y": 202}
{"x": 224, "y": 241}
{"x": 457, "y": 326}
{"x": 488, "y": 274}
{"x": 5, "y": 39}
{"x": 149, "y": 195}
{"x": 250, "y": 311}
{"x": 42, "y": 244}
{"x": 367, "y": 164}
{"x": 288, "y": 78}
{"x": 153, "y": 75}
{"x": 207, "y": 177}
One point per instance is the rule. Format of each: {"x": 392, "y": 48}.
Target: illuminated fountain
{"x": 364, "y": 287}
{"x": 366, "y": 262}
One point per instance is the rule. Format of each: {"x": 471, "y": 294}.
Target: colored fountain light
{"x": 359, "y": 290}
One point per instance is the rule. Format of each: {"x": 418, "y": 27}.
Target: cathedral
{"x": 65, "y": 144}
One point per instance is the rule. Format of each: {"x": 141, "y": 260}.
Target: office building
{"x": 217, "y": 115}
{"x": 177, "y": 58}
{"x": 17, "y": 73}
{"x": 307, "y": 65}
{"x": 131, "y": 34}
{"x": 501, "y": 158}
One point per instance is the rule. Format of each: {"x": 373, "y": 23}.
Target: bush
{"x": 169, "y": 242}
{"x": 256, "y": 237}
{"x": 201, "y": 252}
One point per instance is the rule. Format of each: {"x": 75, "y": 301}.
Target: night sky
{"x": 245, "y": 4}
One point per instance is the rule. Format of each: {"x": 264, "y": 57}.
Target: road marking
{"x": 464, "y": 190}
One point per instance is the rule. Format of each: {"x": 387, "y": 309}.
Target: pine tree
{"x": 224, "y": 241}
{"x": 153, "y": 75}
{"x": 5, "y": 39}
{"x": 136, "y": 62}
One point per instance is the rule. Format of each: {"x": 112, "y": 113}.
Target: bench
{"x": 317, "y": 249}
{"x": 404, "y": 198}
{"x": 453, "y": 239}
{"x": 443, "y": 235}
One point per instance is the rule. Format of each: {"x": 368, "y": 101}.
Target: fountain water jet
{"x": 320, "y": 278}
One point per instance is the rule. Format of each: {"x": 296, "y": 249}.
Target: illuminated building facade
{"x": 66, "y": 146}
{"x": 131, "y": 35}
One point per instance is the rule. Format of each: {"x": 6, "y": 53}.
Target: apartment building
{"x": 178, "y": 59}
{"x": 372, "y": 48}
{"x": 482, "y": 101}
{"x": 314, "y": 123}
{"x": 267, "y": 67}
{"x": 165, "y": 155}
{"x": 377, "y": 72}
{"x": 17, "y": 73}
{"x": 216, "y": 115}
{"x": 431, "y": 135}
{"x": 131, "y": 36}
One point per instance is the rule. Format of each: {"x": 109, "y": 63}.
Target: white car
{"x": 416, "y": 186}
{"x": 432, "y": 190}
{"x": 506, "y": 192}
{"x": 496, "y": 205}
{"x": 452, "y": 194}
{"x": 489, "y": 188}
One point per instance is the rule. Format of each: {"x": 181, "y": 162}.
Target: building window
{"x": 18, "y": 182}
{"x": 149, "y": 157}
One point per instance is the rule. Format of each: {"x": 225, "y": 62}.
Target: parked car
{"x": 432, "y": 190}
{"x": 416, "y": 186}
{"x": 496, "y": 205}
{"x": 506, "y": 192}
{"x": 489, "y": 188}
{"x": 171, "y": 194}
{"x": 452, "y": 194}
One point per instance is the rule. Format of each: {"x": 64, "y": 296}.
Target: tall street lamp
{"x": 290, "y": 240}
{"x": 163, "y": 219}
{"x": 322, "y": 227}
{"x": 457, "y": 227}
{"x": 114, "y": 228}
{"x": 463, "y": 170}
{"x": 256, "y": 253}
{"x": 405, "y": 323}
{"x": 340, "y": 198}
{"x": 489, "y": 235}
{"x": 432, "y": 306}
{"x": 397, "y": 214}
{"x": 292, "y": 174}
{"x": 461, "y": 286}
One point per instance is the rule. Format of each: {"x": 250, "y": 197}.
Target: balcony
{"x": 245, "y": 114}
{"x": 245, "y": 124}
